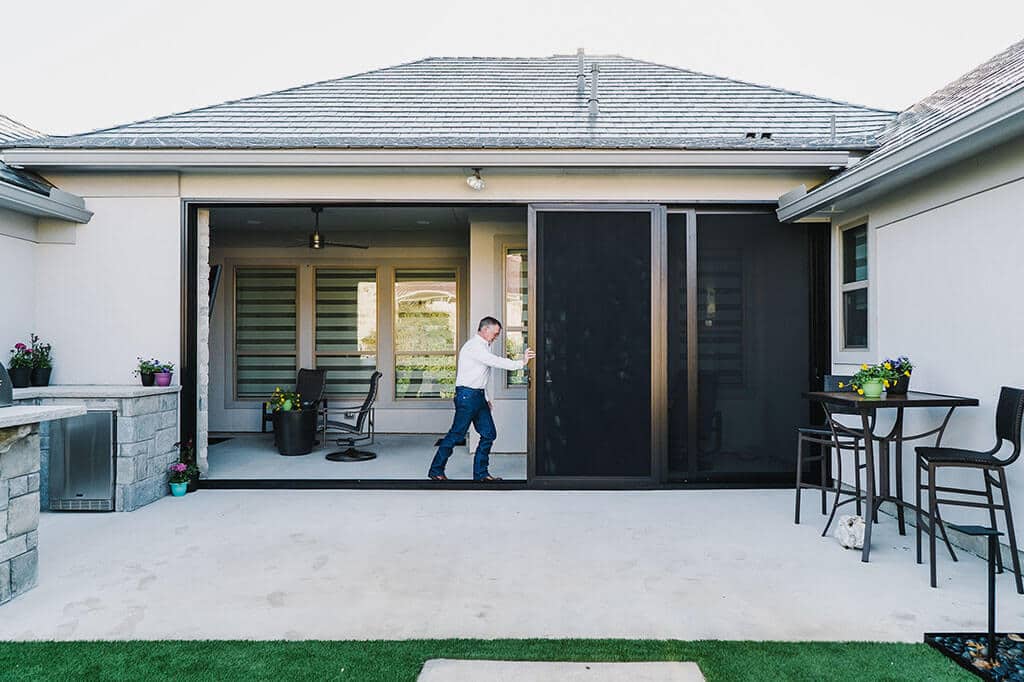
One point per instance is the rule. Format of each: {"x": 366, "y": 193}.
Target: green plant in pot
{"x": 20, "y": 366}
{"x": 146, "y": 369}
{"x": 903, "y": 368}
{"x": 871, "y": 380}
{"x": 187, "y": 456}
{"x": 178, "y": 478}
{"x": 294, "y": 427}
{"x": 42, "y": 362}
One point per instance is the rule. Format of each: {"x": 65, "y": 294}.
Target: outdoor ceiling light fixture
{"x": 475, "y": 181}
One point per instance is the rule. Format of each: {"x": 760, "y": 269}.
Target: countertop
{"x": 92, "y": 391}
{"x": 33, "y": 414}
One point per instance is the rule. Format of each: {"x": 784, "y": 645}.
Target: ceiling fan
{"x": 317, "y": 241}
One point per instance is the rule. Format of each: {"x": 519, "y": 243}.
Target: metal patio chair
{"x": 1009, "y": 417}
{"x": 359, "y": 427}
{"x": 828, "y": 440}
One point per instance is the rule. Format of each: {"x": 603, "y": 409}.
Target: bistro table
{"x": 866, "y": 407}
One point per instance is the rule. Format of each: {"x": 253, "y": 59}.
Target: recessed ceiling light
{"x": 253, "y": 221}
{"x": 422, "y": 222}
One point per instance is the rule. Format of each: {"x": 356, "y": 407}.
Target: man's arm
{"x": 491, "y": 360}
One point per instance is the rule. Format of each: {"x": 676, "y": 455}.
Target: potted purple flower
{"x": 42, "y": 362}
{"x": 147, "y": 370}
{"x": 163, "y": 374}
{"x": 179, "y": 478}
{"x": 20, "y": 366}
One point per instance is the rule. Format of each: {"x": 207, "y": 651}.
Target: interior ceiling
{"x": 269, "y": 226}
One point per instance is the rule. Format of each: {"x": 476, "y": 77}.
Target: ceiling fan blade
{"x": 346, "y": 246}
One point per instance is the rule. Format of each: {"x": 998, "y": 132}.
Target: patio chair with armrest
{"x": 1009, "y": 419}
{"x": 358, "y": 425}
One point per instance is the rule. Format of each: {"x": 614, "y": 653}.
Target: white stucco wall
{"x": 948, "y": 262}
{"x": 18, "y": 267}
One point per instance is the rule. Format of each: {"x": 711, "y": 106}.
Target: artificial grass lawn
{"x": 380, "y": 661}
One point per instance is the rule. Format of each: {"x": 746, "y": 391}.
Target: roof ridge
{"x": 239, "y": 99}
{"x": 762, "y": 85}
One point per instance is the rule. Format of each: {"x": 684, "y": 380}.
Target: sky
{"x": 76, "y": 66}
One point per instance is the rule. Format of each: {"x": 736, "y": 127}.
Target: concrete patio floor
{"x": 356, "y": 564}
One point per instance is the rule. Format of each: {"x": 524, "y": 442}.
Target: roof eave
{"x": 996, "y": 122}
{"x": 191, "y": 159}
{"x": 59, "y": 204}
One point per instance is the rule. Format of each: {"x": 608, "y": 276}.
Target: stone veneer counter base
{"x": 19, "y": 493}
{"x": 146, "y": 426}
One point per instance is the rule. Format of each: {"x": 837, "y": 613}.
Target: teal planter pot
{"x": 872, "y": 388}
{"x": 179, "y": 489}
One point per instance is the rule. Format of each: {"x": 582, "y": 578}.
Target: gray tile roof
{"x": 10, "y": 131}
{"x": 993, "y": 80}
{"x": 477, "y": 102}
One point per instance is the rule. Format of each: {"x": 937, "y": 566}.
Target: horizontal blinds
{"x": 265, "y": 330}
{"x": 346, "y": 329}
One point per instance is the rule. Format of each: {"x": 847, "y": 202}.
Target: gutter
{"x": 995, "y": 122}
{"x": 182, "y": 159}
{"x": 59, "y": 204}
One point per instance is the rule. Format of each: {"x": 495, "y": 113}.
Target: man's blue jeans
{"x": 470, "y": 408}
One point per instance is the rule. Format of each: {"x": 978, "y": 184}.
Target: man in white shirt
{"x": 473, "y": 400}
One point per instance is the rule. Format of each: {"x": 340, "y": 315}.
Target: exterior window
{"x": 515, "y": 311}
{"x": 346, "y": 329}
{"x": 426, "y": 323}
{"x": 855, "y": 287}
{"x": 265, "y": 330}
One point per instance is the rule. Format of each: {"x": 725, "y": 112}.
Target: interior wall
{"x": 486, "y": 297}
{"x": 392, "y": 416}
{"x": 18, "y": 264}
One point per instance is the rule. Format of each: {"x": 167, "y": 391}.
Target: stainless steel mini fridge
{"x": 82, "y": 462}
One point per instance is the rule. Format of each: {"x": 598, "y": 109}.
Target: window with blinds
{"x": 265, "y": 330}
{"x": 515, "y": 311}
{"x": 426, "y": 320}
{"x": 346, "y": 329}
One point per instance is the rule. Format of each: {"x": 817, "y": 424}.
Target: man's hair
{"x": 488, "y": 322}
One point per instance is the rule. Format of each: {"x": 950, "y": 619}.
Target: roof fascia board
{"x": 954, "y": 141}
{"x": 179, "y": 159}
{"x": 60, "y": 204}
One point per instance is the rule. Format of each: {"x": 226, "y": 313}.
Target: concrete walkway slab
{"x": 368, "y": 564}
{"x": 450, "y": 670}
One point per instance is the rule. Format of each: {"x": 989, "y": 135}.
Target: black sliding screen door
{"x": 742, "y": 344}
{"x": 595, "y": 389}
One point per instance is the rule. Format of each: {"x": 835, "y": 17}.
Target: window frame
{"x": 460, "y": 307}
{"x": 317, "y": 354}
{"x": 517, "y": 390}
{"x": 233, "y": 327}
{"x": 842, "y": 353}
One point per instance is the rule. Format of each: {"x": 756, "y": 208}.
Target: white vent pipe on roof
{"x": 592, "y": 102}
{"x": 581, "y": 74}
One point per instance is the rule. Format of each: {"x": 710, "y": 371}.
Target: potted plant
{"x": 42, "y": 362}
{"x": 870, "y": 380}
{"x": 178, "y": 479}
{"x": 146, "y": 370}
{"x": 294, "y": 428}
{"x": 903, "y": 368}
{"x": 163, "y": 374}
{"x": 20, "y": 366}
{"x": 187, "y": 456}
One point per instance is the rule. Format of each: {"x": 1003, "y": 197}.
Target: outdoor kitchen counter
{"x": 19, "y": 493}
{"x": 92, "y": 391}
{"x": 145, "y": 427}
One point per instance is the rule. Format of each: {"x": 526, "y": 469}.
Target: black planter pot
{"x": 193, "y": 484}
{"x": 147, "y": 378}
{"x": 41, "y": 376}
{"x": 21, "y": 377}
{"x": 294, "y": 431}
{"x": 901, "y": 386}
